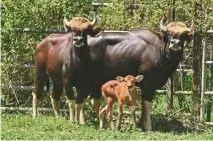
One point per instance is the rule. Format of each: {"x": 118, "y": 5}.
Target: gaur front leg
{"x": 146, "y": 115}
{"x": 77, "y": 112}
{"x": 79, "y": 107}
{"x": 56, "y": 95}
{"x": 71, "y": 104}
{"x": 35, "y": 105}
{"x": 82, "y": 119}
{"x": 56, "y": 107}
{"x": 70, "y": 95}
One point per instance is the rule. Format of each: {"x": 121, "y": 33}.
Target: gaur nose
{"x": 78, "y": 38}
{"x": 175, "y": 41}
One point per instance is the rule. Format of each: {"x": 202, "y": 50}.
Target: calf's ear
{"x": 139, "y": 78}
{"x": 119, "y": 78}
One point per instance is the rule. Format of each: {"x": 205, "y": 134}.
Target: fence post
{"x": 203, "y": 80}
{"x": 169, "y": 93}
{"x": 210, "y": 86}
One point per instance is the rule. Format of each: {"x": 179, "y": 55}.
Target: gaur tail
{"x": 48, "y": 85}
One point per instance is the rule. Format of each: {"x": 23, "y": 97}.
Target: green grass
{"x": 17, "y": 126}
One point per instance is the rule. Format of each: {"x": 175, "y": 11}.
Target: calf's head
{"x": 128, "y": 86}
{"x": 177, "y": 33}
{"x": 130, "y": 80}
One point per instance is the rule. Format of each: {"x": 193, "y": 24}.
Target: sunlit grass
{"x": 17, "y": 126}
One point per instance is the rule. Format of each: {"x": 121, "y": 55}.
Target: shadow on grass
{"x": 177, "y": 124}
{"x": 162, "y": 123}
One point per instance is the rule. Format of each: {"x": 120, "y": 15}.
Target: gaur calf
{"x": 123, "y": 91}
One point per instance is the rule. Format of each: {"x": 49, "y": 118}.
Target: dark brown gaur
{"x": 140, "y": 52}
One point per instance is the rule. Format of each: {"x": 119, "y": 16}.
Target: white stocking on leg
{"x": 56, "y": 107}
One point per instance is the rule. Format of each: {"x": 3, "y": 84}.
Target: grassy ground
{"x": 19, "y": 126}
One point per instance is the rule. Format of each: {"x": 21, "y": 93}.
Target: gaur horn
{"x": 94, "y": 20}
{"x": 163, "y": 27}
{"x": 66, "y": 23}
{"x": 192, "y": 27}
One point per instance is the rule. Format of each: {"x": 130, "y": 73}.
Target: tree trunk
{"x": 196, "y": 66}
{"x": 169, "y": 84}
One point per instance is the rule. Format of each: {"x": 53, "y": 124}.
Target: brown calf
{"x": 123, "y": 91}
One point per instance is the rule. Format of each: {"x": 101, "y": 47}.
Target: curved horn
{"x": 66, "y": 23}
{"x": 192, "y": 27}
{"x": 163, "y": 27}
{"x": 94, "y": 20}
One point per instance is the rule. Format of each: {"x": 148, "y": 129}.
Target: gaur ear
{"x": 190, "y": 36}
{"x": 139, "y": 78}
{"x": 119, "y": 78}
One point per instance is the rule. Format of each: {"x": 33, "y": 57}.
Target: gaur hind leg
{"x": 39, "y": 82}
{"x": 102, "y": 113}
{"x": 56, "y": 95}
